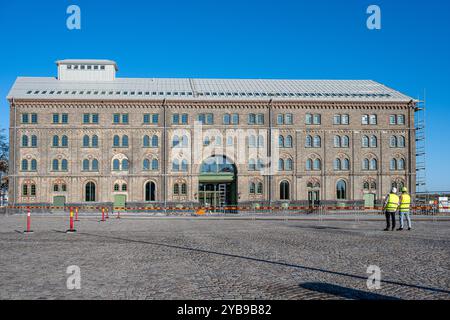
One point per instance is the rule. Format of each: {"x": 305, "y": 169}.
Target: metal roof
{"x": 47, "y": 88}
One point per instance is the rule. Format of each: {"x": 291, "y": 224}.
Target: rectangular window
{"x": 280, "y": 119}
{"x": 201, "y": 118}
{"x": 308, "y": 118}
{"x": 34, "y": 118}
{"x": 25, "y": 118}
{"x": 155, "y": 118}
{"x": 392, "y": 119}
{"x": 400, "y": 119}
{"x": 175, "y": 118}
{"x": 65, "y": 118}
{"x": 373, "y": 119}
{"x": 209, "y": 118}
{"x": 55, "y": 118}
{"x": 146, "y": 118}
{"x": 184, "y": 118}
{"x": 116, "y": 118}
{"x": 235, "y": 118}
{"x": 337, "y": 119}
{"x": 86, "y": 118}
{"x": 345, "y": 119}
{"x": 289, "y": 118}
{"x": 95, "y": 118}
{"x": 125, "y": 118}
{"x": 316, "y": 119}
{"x": 365, "y": 119}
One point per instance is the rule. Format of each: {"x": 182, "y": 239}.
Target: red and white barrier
{"x": 28, "y": 230}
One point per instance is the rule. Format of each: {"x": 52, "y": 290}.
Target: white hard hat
{"x": 394, "y": 190}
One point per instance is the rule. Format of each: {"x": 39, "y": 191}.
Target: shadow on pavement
{"x": 263, "y": 261}
{"x": 344, "y": 292}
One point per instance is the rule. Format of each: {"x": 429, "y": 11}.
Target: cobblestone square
{"x": 222, "y": 258}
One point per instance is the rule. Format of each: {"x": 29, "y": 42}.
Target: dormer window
{"x": 89, "y": 67}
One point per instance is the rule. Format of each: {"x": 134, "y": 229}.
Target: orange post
{"x": 103, "y": 214}
{"x": 76, "y": 214}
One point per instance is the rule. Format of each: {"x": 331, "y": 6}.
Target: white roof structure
{"x": 47, "y": 88}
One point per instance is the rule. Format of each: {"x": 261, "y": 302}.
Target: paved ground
{"x": 197, "y": 258}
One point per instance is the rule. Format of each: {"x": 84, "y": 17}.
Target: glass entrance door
{"x": 313, "y": 198}
{"x": 214, "y": 195}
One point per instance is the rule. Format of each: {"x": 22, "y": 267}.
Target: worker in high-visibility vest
{"x": 404, "y": 208}
{"x": 390, "y": 208}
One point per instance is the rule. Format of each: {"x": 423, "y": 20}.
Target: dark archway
{"x": 150, "y": 191}
{"x": 90, "y": 192}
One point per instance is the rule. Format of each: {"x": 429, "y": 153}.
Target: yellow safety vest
{"x": 392, "y": 204}
{"x": 405, "y": 202}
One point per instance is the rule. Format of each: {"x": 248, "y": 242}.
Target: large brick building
{"x": 87, "y": 137}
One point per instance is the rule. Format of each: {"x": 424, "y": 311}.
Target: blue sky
{"x": 322, "y": 39}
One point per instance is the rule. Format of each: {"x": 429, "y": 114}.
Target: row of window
{"x": 29, "y": 189}
{"x": 208, "y": 118}
{"x": 182, "y": 166}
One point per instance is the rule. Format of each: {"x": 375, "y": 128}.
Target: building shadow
{"x": 344, "y": 292}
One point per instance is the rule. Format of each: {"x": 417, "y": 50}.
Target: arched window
{"x": 154, "y": 141}
{"x": 184, "y": 165}
{"x": 317, "y": 164}
{"x": 150, "y": 191}
{"x": 259, "y": 164}
{"x": 55, "y": 165}
{"x": 280, "y": 165}
{"x": 175, "y": 165}
{"x": 116, "y": 164}
{"x": 146, "y": 141}
{"x": 226, "y": 118}
{"x": 259, "y": 189}
{"x": 341, "y": 190}
{"x": 155, "y": 164}
{"x": 345, "y": 142}
{"x": 116, "y": 187}
{"x": 365, "y": 141}
{"x": 288, "y": 165}
{"x": 235, "y": 118}
{"x": 317, "y": 142}
{"x": 24, "y": 165}
{"x": 94, "y": 165}
{"x": 85, "y": 141}
{"x": 89, "y": 192}
{"x": 373, "y": 185}
{"x": 401, "y": 164}
{"x": 34, "y": 141}
{"x": 184, "y": 141}
{"x": 346, "y": 164}
{"x": 64, "y": 141}
{"x": 183, "y": 188}
{"x": 308, "y": 141}
{"x": 337, "y": 164}
{"x": 125, "y": 164}
{"x": 373, "y": 164}
{"x": 95, "y": 141}
{"x": 85, "y": 165}
{"x": 373, "y": 142}
{"x": 337, "y": 141}
{"x": 146, "y": 164}
{"x": 365, "y": 164}
{"x": 252, "y": 141}
{"x": 260, "y": 141}
{"x": 288, "y": 142}
{"x": 401, "y": 142}
{"x": 281, "y": 141}
{"x": 393, "y": 164}
{"x": 176, "y": 189}
{"x": 116, "y": 141}
{"x": 33, "y": 165}
{"x": 309, "y": 164}
{"x": 55, "y": 141}
{"x": 284, "y": 190}
{"x": 251, "y": 165}
{"x": 393, "y": 142}
{"x": 366, "y": 185}
{"x": 124, "y": 187}
{"x": 251, "y": 118}
{"x": 24, "y": 141}
{"x": 125, "y": 141}
{"x": 252, "y": 188}
{"x": 64, "y": 165}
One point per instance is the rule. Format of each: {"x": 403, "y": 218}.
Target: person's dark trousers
{"x": 390, "y": 216}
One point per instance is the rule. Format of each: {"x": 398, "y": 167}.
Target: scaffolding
{"x": 420, "y": 129}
